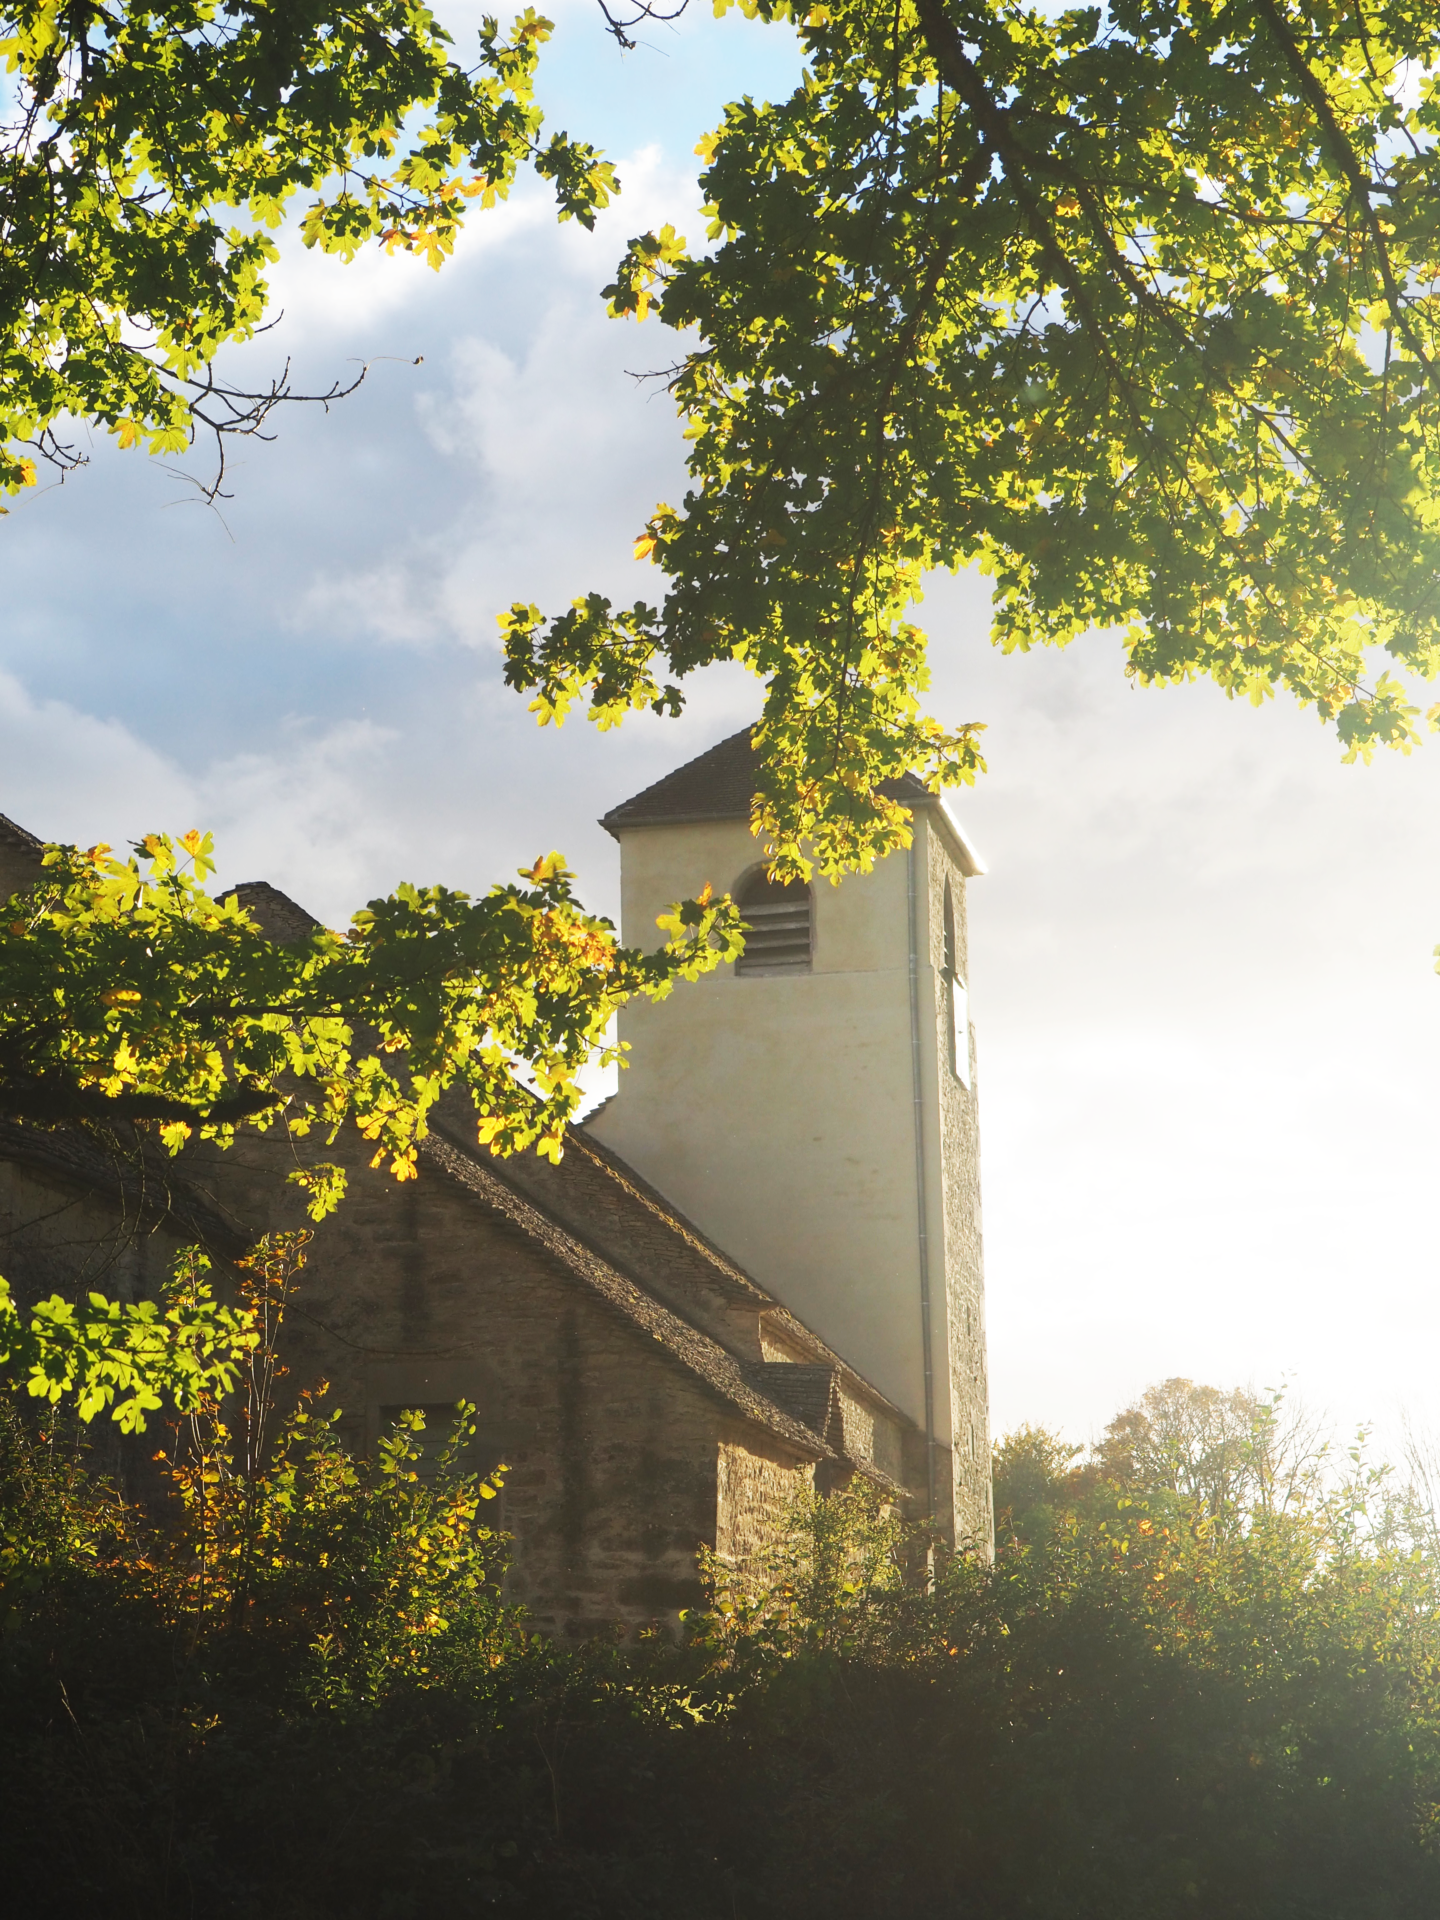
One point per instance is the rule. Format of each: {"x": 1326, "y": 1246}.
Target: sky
{"x": 1201, "y": 960}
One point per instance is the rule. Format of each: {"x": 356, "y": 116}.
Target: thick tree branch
{"x": 52, "y": 1100}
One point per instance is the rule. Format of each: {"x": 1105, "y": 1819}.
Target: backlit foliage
{"x": 151, "y": 149}
{"x": 1134, "y": 309}
{"x": 129, "y": 995}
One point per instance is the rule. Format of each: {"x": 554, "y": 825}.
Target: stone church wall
{"x": 963, "y": 1263}
{"x": 754, "y": 1490}
{"x": 415, "y": 1295}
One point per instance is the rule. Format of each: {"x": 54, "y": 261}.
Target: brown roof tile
{"x": 719, "y": 785}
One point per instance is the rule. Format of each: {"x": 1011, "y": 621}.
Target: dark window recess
{"x": 779, "y": 919}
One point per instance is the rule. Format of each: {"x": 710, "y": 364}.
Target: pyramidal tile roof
{"x": 719, "y": 785}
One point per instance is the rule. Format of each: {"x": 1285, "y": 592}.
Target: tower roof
{"x": 718, "y": 786}
{"x": 721, "y": 784}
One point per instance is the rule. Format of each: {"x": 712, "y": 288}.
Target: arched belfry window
{"x": 957, "y": 1009}
{"x": 779, "y": 917}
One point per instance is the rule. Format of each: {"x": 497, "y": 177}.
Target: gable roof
{"x": 703, "y": 1357}
{"x": 141, "y": 1184}
{"x": 20, "y": 858}
{"x": 607, "y": 1205}
{"x": 720, "y": 784}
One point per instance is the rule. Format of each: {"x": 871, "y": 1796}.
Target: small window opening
{"x": 957, "y": 1008}
{"x": 779, "y": 919}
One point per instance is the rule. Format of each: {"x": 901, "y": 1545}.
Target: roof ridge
{"x": 627, "y": 1177}
{"x": 12, "y": 830}
{"x": 651, "y": 1198}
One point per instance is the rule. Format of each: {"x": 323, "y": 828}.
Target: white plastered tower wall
{"x": 780, "y": 1112}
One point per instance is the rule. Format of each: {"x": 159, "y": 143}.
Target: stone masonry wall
{"x": 755, "y": 1487}
{"x": 964, "y": 1263}
{"x": 416, "y": 1295}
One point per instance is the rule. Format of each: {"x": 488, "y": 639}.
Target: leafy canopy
{"x": 128, "y": 995}
{"x": 151, "y": 148}
{"x": 130, "y": 1358}
{"x": 1134, "y": 309}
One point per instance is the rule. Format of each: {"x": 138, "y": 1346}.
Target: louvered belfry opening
{"x": 779, "y": 918}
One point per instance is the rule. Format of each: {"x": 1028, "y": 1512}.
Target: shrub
{"x": 298, "y": 1693}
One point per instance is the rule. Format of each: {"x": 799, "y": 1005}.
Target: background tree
{"x": 1185, "y": 1452}
{"x": 1034, "y": 1477}
{"x": 1225, "y": 1455}
{"x": 1132, "y": 308}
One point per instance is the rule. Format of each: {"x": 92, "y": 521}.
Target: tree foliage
{"x": 1133, "y": 308}
{"x": 153, "y": 147}
{"x": 130, "y": 1357}
{"x": 135, "y": 1004}
{"x": 129, "y": 995}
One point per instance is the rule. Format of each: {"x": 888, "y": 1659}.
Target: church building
{"x": 756, "y": 1269}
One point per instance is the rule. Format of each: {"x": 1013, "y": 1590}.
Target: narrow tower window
{"x": 779, "y": 918}
{"x": 957, "y": 1013}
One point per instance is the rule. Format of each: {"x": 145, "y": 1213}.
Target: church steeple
{"x": 813, "y": 1108}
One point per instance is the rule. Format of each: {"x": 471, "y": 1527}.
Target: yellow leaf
{"x": 119, "y": 997}
{"x": 645, "y": 546}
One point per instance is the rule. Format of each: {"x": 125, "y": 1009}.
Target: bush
{"x": 298, "y": 1694}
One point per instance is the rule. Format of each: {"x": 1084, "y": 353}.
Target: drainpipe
{"x": 921, "y": 1211}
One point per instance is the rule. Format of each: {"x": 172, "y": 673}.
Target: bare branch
{"x": 619, "y": 29}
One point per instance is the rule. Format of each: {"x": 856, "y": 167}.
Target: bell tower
{"x": 813, "y": 1107}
